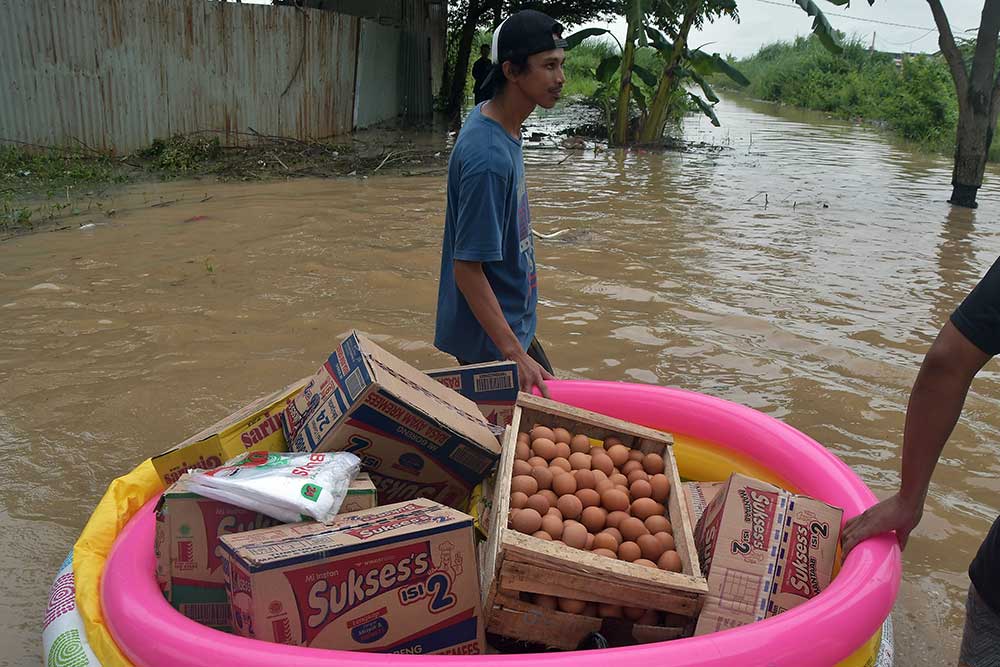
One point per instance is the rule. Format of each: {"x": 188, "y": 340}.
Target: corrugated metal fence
{"x": 115, "y": 74}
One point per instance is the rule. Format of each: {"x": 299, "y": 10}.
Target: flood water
{"x": 802, "y": 269}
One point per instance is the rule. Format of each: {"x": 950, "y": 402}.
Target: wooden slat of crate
{"x": 511, "y": 617}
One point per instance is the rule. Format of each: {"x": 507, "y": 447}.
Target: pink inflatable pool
{"x": 822, "y": 632}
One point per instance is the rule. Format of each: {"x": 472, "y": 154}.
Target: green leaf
{"x": 577, "y": 37}
{"x": 660, "y": 42}
{"x": 705, "y": 88}
{"x": 640, "y": 99}
{"x": 608, "y": 67}
{"x": 821, "y": 27}
{"x": 647, "y": 77}
{"x": 706, "y": 109}
{"x": 705, "y": 64}
{"x": 636, "y": 13}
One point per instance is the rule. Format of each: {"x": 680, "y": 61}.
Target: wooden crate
{"x": 513, "y": 563}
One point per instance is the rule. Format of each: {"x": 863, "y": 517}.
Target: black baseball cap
{"x": 525, "y": 33}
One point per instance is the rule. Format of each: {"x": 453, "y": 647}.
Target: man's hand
{"x": 892, "y": 514}
{"x": 531, "y": 374}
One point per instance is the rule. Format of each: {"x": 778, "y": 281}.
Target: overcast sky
{"x": 763, "y": 22}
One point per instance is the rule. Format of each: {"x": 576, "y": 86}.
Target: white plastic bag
{"x": 286, "y": 487}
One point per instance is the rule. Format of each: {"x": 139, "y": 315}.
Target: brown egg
{"x": 522, "y": 451}
{"x": 579, "y": 461}
{"x": 624, "y": 489}
{"x": 554, "y": 511}
{"x": 670, "y": 560}
{"x": 631, "y": 528}
{"x": 537, "y": 461}
{"x": 550, "y": 496}
{"x": 618, "y": 478}
{"x": 629, "y": 551}
{"x": 602, "y": 486}
{"x": 599, "y": 475}
{"x": 607, "y": 553}
{"x": 563, "y": 450}
{"x": 570, "y": 506}
{"x": 614, "y": 500}
{"x": 609, "y": 611}
{"x": 546, "y": 601}
{"x": 572, "y": 606}
{"x": 615, "y": 533}
{"x": 643, "y": 508}
{"x": 602, "y": 462}
{"x": 574, "y": 534}
{"x": 636, "y": 455}
{"x": 564, "y": 484}
{"x": 539, "y": 503}
{"x": 543, "y": 476}
{"x": 637, "y": 476}
{"x": 518, "y": 499}
{"x": 651, "y": 617}
{"x": 631, "y": 466}
{"x": 653, "y": 464}
{"x": 541, "y": 432}
{"x": 553, "y": 525}
{"x": 545, "y": 448}
{"x": 561, "y": 435}
{"x": 560, "y": 462}
{"x": 542, "y": 535}
{"x": 580, "y": 443}
{"x": 645, "y": 562}
{"x": 593, "y": 518}
{"x": 584, "y": 479}
{"x": 527, "y": 521}
{"x": 618, "y": 454}
{"x": 615, "y": 518}
{"x": 526, "y": 484}
{"x": 524, "y": 437}
{"x": 640, "y": 488}
{"x": 602, "y": 540}
{"x": 597, "y": 451}
{"x": 521, "y": 468}
{"x": 612, "y": 440}
{"x": 666, "y": 540}
{"x": 651, "y": 547}
{"x": 589, "y": 497}
{"x": 661, "y": 488}
{"x": 633, "y": 613}
{"x": 511, "y": 514}
{"x": 657, "y": 524}
{"x": 590, "y": 542}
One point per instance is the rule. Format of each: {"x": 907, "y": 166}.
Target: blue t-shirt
{"x": 486, "y": 220}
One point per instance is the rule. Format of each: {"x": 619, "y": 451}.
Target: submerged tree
{"x": 978, "y": 88}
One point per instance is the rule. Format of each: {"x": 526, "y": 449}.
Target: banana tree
{"x": 680, "y": 63}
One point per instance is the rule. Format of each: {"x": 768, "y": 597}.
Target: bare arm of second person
{"x": 476, "y": 289}
{"x": 934, "y": 408}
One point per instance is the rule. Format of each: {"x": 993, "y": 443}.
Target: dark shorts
{"x": 535, "y": 351}
{"x": 981, "y": 637}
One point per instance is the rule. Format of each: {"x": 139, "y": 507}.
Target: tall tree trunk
{"x": 620, "y": 134}
{"x": 653, "y": 129}
{"x": 461, "y": 72}
{"x": 978, "y": 94}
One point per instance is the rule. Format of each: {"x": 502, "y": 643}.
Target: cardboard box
{"x": 395, "y": 579}
{"x": 492, "y": 386}
{"x": 416, "y": 437}
{"x": 808, "y": 553}
{"x": 748, "y": 538}
{"x": 254, "y": 427}
{"x": 188, "y": 555}
{"x": 516, "y": 567}
{"x": 697, "y": 496}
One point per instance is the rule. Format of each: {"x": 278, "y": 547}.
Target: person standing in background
{"x": 481, "y": 89}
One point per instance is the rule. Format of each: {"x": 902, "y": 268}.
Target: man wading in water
{"x": 488, "y": 289}
{"x": 965, "y": 344}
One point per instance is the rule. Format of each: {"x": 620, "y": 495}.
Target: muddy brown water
{"x": 802, "y": 269}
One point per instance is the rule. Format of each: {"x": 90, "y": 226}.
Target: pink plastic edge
{"x": 821, "y": 632}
